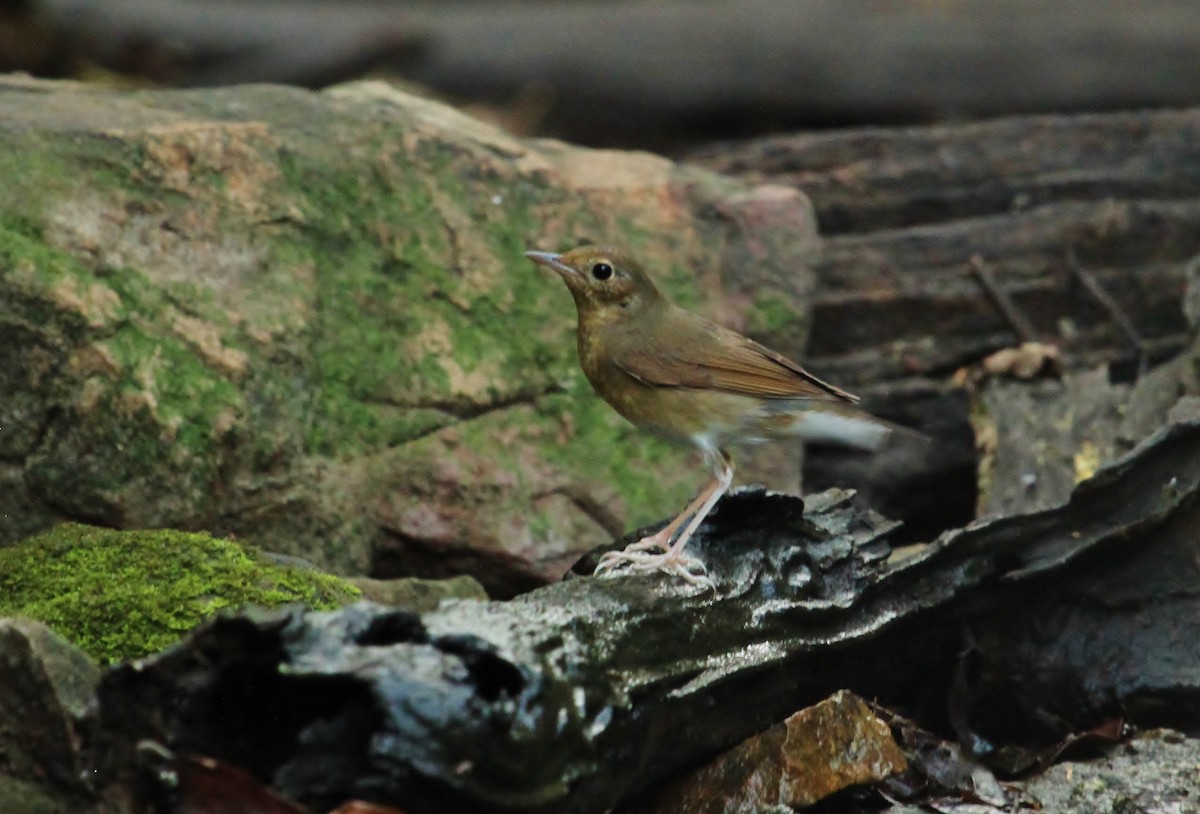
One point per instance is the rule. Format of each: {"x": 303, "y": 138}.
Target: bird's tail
{"x": 848, "y": 427}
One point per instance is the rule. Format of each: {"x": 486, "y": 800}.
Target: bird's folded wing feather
{"x": 731, "y": 363}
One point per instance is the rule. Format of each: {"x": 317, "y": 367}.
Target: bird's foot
{"x": 660, "y": 540}
{"x": 686, "y": 567}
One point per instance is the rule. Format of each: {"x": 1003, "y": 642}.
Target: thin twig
{"x": 1004, "y": 304}
{"x": 1118, "y": 314}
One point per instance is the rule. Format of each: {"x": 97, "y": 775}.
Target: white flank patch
{"x": 815, "y": 425}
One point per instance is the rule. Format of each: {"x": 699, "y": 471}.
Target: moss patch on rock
{"x": 125, "y": 594}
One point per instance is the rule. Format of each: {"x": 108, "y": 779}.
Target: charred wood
{"x": 577, "y": 695}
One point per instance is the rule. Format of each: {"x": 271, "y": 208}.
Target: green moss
{"x": 404, "y": 321}
{"x": 354, "y": 347}
{"x": 125, "y": 594}
{"x": 181, "y": 397}
{"x": 30, "y": 173}
{"x": 22, "y": 251}
{"x": 771, "y": 314}
{"x": 28, "y": 269}
{"x": 188, "y": 395}
{"x": 43, "y": 166}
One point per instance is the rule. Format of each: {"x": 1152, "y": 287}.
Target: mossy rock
{"x": 124, "y": 594}
{"x": 305, "y": 320}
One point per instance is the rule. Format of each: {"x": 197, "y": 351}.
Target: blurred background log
{"x": 662, "y": 73}
{"x": 909, "y": 217}
{"x": 945, "y": 244}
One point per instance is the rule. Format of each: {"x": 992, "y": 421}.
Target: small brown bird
{"x": 679, "y": 375}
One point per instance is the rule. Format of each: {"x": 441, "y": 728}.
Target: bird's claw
{"x": 660, "y": 540}
{"x": 686, "y": 567}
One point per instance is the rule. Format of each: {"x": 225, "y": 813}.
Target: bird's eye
{"x": 602, "y": 271}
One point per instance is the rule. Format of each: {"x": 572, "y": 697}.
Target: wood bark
{"x": 910, "y": 216}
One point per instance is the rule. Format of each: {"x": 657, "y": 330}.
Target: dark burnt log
{"x": 908, "y": 302}
{"x": 872, "y": 179}
{"x": 909, "y": 215}
{"x": 943, "y": 245}
{"x": 576, "y": 695}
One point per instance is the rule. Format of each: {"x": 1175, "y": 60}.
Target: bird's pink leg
{"x": 716, "y": 490}
{"x": 661, "y": 539}
{"x": 673, "y": 560}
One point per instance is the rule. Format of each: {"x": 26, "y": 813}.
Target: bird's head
{"x": 605, "y": 282}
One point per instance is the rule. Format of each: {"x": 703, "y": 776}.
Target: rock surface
{"x": 1038, "y": 438}
{"x": 304, "y": 319}
{"x": 45, "y": 687}
{"x": 816, "y": 752}
{"x": 1154, "y": 773}
{"x": 418, "y": 594}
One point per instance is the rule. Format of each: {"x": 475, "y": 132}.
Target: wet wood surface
{"x": 577, "y": 695}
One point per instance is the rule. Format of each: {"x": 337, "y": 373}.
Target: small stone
{"x": 818, "y": 751}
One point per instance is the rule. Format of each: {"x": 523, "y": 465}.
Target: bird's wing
{"x": 720, "y": 359}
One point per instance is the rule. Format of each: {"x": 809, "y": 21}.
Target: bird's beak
{"x": 552, "y": 261}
